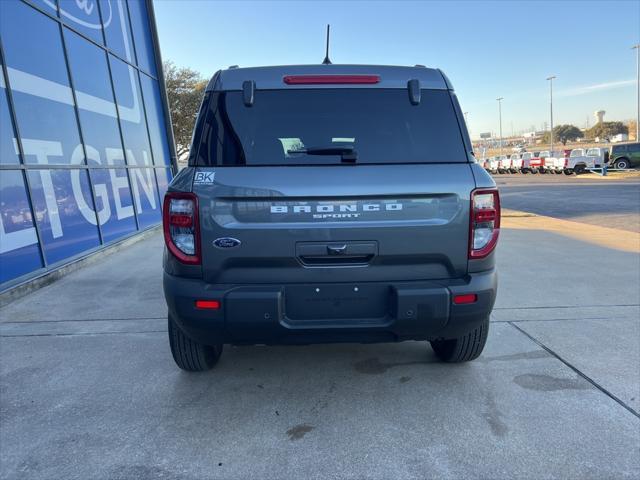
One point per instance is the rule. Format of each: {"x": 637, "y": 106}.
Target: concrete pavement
{"x": 88, "y": 388}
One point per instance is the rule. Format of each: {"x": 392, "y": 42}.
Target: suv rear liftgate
{"x": 329, "y": 207}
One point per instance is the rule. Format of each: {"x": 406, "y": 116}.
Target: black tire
{"x": 579, "y": 169}
{"x": 189, "y": 355}
{"x": 462, "y": 349}
{"x": 568, "y": 171}
{"x": 622, "y": 163}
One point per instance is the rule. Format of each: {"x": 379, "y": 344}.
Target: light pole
{"x": 637, "y": 49}
{"x": 551, "y": 109}
{"x": 499, "y": 99}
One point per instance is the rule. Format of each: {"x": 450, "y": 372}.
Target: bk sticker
{"x": 204, "y": 177}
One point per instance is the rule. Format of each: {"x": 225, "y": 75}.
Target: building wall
{"x": 84, "y": 152}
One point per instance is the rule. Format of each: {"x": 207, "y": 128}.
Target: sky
{"x": 488, "y": 49}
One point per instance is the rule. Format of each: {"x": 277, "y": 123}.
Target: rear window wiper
{"x": 347, "y": 153}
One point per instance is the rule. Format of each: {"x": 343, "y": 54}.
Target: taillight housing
{"x": 484, "y": 223}
{"x": 181, "y": 226}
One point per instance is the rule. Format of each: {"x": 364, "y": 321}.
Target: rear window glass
{"x": 283, "y": 127}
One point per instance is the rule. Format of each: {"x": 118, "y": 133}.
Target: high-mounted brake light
{"x": 484, "y": 227}
{"x": 181, "y": 226}
{"x": 331, "y": 79}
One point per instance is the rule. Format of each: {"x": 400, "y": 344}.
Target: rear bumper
{"x": 293, "y": 314}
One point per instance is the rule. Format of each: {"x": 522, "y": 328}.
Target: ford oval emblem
{"x": 226, "y": 242}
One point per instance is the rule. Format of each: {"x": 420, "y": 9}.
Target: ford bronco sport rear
{"x": 329, "y": 203}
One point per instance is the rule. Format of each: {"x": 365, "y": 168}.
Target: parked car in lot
{"x": 553, "y": 161}
{"x": 561, "y": 160}
{"x": 516, "y": 163}
{"x": 504, "y": 164}
{"x": 530, "y": 162}
{"x": 346, "y": 213}
{"x": 543, "y": 155}
{"x": 599, "y": 156}
{"x": 578, "y": 162}
{"x": 492, "y": 165}
{"x": 625, "y": 155}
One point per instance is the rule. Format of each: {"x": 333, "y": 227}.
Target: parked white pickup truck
{"x": 543, "y": 155}
{"x": 491, "y": 165}
{"x": 504, "y": 165}
{"x": 600, "y": 155}
{"x": 516, "y": 163}
{"x": 578, "y": 162}
{"x": 530, "y": 163}
{"x": 553, "y": 161}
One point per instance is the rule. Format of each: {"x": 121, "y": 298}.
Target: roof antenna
{"x": 326, "y": 60}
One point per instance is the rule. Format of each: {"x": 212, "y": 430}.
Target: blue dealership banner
{"x": 82, "y": 91}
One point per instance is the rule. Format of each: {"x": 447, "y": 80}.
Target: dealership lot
{"x": 88, "y": 388}
{"x": 612, "y": 201}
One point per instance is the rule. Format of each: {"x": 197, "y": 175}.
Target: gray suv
{"x": 329, "y": 203}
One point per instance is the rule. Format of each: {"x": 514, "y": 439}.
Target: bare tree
{"x": 185, "y": 88}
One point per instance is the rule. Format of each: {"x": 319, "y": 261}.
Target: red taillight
{"x": 465, "y": 299}
{"x": 181, "y": 226}
{"x": 566, "y": 162}
{"x": 484, "y": 226}
{"x": 208, "y": 304}
{"x": 330, "y": 79}
{"x": 181, "y": 220}
{"x": 484, "y": 215}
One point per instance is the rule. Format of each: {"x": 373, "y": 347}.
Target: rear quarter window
{"x": 381, "y": 125}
